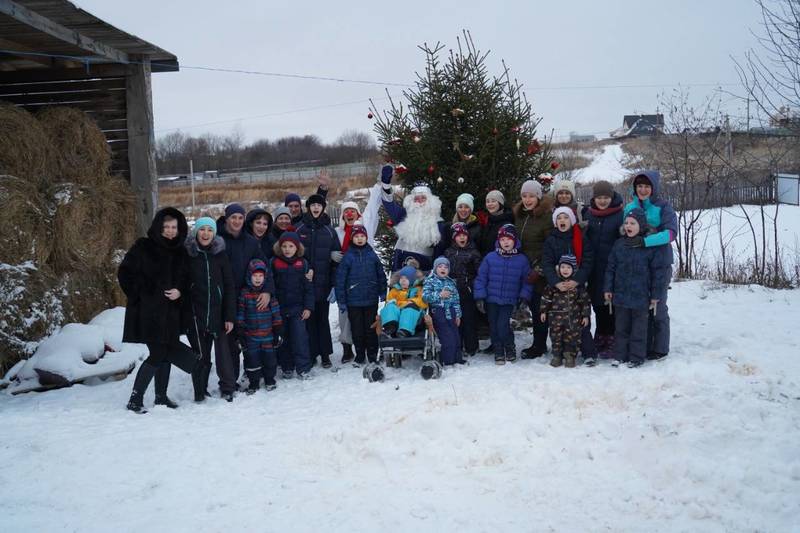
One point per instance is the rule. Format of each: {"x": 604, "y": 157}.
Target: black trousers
{"x": 234, "y": 352}
{"x": 319, "y": 330}
{"x": 223, "y": 363}
{"x": 365, "y": 340}
{"x": 630, "y": 337}
{"x": 163, "y": 356}
{"x": 469, "y": 321}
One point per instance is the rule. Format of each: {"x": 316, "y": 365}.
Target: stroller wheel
{"x": 373, "y": 373}
{"x": 431, "y": 370}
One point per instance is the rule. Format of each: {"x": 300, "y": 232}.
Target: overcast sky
{"x": 548, "y": 45}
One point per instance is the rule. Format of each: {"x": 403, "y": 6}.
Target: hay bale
{"x": 88, "y": 292}
{"x": 25, "y": 231}
{"x": 82, "y": 238}
{"x": 118, "y": 209}
{"x": 25, "y": 148}
{"x": 80, "y": 151}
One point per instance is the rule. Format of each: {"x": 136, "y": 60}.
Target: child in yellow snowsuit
{"x": 404, "y": 303}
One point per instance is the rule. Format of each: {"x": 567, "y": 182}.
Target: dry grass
{"x": 25, "y": 231}
{"x": 25, "y": 150}
{"x": 80, "y": 151}
{"x": 224, "y": 193}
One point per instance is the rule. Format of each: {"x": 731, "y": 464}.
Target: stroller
{"x": 392, "y": 351}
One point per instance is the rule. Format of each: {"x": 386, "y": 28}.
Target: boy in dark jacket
{"x": 603, "y": 218}
{"x": 568, "y": 239}
{"x": 212, "y": 310}
{"x": 465, "y": 259}
{"x": 323, "y": 252}
{"x": 360, "y": 285}
{"x": 636, "y": 281}
{"x": 296, "y": 297}
{"x": 568, "y": 312}
{"x": 500, "y": 286}
{"x": 261, "y": 330}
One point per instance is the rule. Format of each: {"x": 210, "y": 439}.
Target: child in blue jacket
{"x": 441, "y": 294}
{"x": 502, "y": 285}
{"x": 296, "y": 297}
{"x": 260, "y": 330}
{"x": 360, "y": 284}
{"x": 636, "y": 281}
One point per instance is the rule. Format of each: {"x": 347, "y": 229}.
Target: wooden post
{"x": 141, "y": 141}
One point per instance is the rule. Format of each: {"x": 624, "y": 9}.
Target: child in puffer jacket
{"x": 465, "y": 259}
{"x": 404, "y": 303}
{"x": 568, "y": 312}
{"x": 261, "y": 330}
{"x": 636, "y": 281}
{"x": 502, "y": 285}
{"x": 441, "y": 294}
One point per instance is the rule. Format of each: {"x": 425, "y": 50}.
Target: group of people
{"x": 259, "y": 286}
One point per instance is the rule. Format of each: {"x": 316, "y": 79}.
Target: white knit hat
{"x": 532, "y": 186}
{"x": 566, "y": 211}
{"x": 350, "y": 205}
{"x": 466, "y": 199}
{"x": 564, "y": 185}
{"x": 496, "y": 196}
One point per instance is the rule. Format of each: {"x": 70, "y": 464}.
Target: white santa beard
{"x": 419, "y": 231}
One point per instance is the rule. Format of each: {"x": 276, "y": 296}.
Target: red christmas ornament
{"x": 389, "y": 223}
{"x": 515, "y": 129}
{"x": 400, "y": 169}
{"x": 431, "y": 169}
{"x": 554, "y": 165}
{"x": 534, "y": 147}
{"x": 369, "y": 116}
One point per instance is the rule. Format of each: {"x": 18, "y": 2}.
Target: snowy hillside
{"x": 607, "y": 164}
{"x": 705, "y": 440}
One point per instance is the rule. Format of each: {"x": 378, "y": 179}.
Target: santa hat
{"x": 565, "y": 211}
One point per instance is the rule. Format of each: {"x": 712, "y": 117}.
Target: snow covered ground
{"x": 606, "y": 165}
{"x": 705, "y": 440}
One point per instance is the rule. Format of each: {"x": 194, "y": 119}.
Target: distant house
{"x": 575, "y": 137}
{"x": 639, "y": 126}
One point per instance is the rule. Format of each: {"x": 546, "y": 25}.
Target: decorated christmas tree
{"x": 463, "y": 130}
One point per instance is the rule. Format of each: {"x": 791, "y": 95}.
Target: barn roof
{"x": 39, "y": 29}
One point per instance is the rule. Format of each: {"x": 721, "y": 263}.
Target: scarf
{"x": 348, "y": 229}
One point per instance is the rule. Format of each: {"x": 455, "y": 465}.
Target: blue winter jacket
{"x": 319, "y": 239}
{"x": 636, "y": 275}
{"x": 561, "y": 243}
{"x": 502, "y": 279}
{"x": 602, "y": 230}
{"x": 360, "y": 278}
{"x": 241, "y": 250}
{"x": 292, "y": 288}
{"x": 431, "y": 293}
{"x": 660, "y": 216}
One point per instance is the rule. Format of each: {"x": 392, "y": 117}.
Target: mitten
{"x": 386, "y": 174}
{"x": 336, "y": 256}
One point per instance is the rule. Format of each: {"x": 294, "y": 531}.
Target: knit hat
{"x": 568, "y": 259}
{"x": 233, "y": 209}
{"x": 290, "y": 236}
{"x": 441, "y": 260}
{"x": 350, "y": 205}
{"x": 282, "y": 210}
{"x": 566, "y": 211}
{"x": 532, "y": 186}
{"x": 358, "y": 229}
{"x": 257, "y": 265}
{"x": 204, "y": 221}
{"x": 466, "y": 198}
{"x": 564, "y": 185}
{"x": 507, "y": 230}
{"x": 459, "y": 228}
{"x": 496, "y": 196}
{"x": 603, "y": 188}
{"x": 291, "y": 197}
{"x": 408, "y": 272}
{"x": 316, "y": 199}
{"x": 638, "y": 214}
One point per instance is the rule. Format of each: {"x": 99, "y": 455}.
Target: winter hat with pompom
{"x": 507, "y": 230}
{"x": 358, "y": 229}
{"x": 459, "y": 228}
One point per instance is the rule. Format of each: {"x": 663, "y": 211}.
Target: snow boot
{"x": 533, "y": 352}
{"x": 390, "y": 328}
{"x": 254, "y": 380}
{"x": 634, "y": 364}
{"x": 143, "y": 378}
{"x": 270, "y": 384}
{"x": 161, "y": 383}
{"x": 200, "y": 381}
{"x": 287, "y": 374}
{"x": 499, "y": 359}
{"x": 569, "y": 360}
{"x": 361, "y": 358}
{"x": 488, "y": 349}
{"x": 511, "y": 355}
{"x": 227, "y": 396}
{"x": 590, "y": 362}
{"x": 655, "y": 356}
{"x": 347, "y": 353}
{"x": 326, "y": 361}
{"x": 556, "y": 361}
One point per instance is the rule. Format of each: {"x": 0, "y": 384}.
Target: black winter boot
{"x": 162, "y": 381}
{"x": 390, "y": 328}
{"x": 347, "y": 353}
{"x": 326, "y": 361}
{"x": 200, "y": 381}
{"x": 143, "y": 378}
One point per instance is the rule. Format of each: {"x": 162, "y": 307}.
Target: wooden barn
{"x": 53, "y": 53}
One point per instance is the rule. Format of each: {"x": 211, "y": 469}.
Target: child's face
{"x": 506, "y": 243}
{"x": 565, "y": 270}
{"x": 563, "y": 223}
{"x": 464, "y": 211}
{"x": 529, "y": 200}
{"x": 461, "y": 239}
{"x": 288, "y": 248}
{"x": 442, "y": 270}
{"x": 564, "y": 197}
{"x": 315, "y": 209}
{"x": 631, "y": 227}
{"x": 492, "y": 205}
{"x": 257, "y": 278}
{"x": 404, "y": 282}
{"x": 602, "y": 202}
{"x": 359, "y": 239}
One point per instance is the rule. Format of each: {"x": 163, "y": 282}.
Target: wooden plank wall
{"x": 102, "y": 98}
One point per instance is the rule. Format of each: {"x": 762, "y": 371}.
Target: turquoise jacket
{"x": 660, "y": 215}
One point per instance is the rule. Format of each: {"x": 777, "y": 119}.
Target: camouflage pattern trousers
{"x": 565, "y": 333}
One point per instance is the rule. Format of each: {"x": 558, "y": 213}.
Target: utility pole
{"x": 728, "y": 141}
{"x": 191, "y": 180}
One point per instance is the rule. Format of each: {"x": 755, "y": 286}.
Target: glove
{"x": 342, "y": 308}
{"x": 332, "y": 296}
{"x": 481, "y": 305}
{"x": 386, "y": 174}
{"x": 336, "y": 256}
{"x": 635, "y": 242}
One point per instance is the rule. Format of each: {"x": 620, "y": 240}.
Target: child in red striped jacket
{"x": 261, "y": 330}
